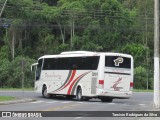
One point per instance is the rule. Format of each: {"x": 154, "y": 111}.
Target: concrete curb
{"x": 17, "y": 100}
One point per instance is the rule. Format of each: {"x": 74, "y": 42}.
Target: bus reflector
{"x": 131, "y": 85}
{"x": 101, "y": 84}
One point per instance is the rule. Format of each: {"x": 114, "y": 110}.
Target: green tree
{"x": 38, "y": 27}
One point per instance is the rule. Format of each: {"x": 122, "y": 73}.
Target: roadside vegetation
{"x": 16, "y": 89}
{"x": 32, "y": 28}
{"x": 141, "y": 90}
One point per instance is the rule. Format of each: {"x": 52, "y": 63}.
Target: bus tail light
{"x": 101, "y": 84}
{"x": 131, "y": 85}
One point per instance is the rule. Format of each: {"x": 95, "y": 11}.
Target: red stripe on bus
{"x": 69, "y": 90}
{"x": 70, "y": 80}
{"x": 66, "y": 81}
{"x": 73, "y": 83}
{"x": 74, "y": 86}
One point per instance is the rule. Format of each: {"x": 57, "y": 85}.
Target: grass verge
{"x": 6, "y": 98}
{"x": 18, "y": 89}
{"x": 139, "y": 90}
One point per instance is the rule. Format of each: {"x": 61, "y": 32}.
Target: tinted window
{"x": 84, "y": 63}
{"x": 116, "y": 61}
{"x": 56, "y": 64}
{"x": 72, "y": 63}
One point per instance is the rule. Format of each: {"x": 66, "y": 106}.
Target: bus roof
{"x": 83, "y": 53}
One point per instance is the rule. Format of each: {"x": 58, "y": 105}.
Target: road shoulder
{"x": 17, "y": 100}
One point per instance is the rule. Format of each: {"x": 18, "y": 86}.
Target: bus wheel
{"x": 106, "y": 99}
{"x": 79, "y": 94}
{"x": 44, "y": 92}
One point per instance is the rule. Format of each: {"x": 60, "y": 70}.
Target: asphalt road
{"x": 138, "y": 102}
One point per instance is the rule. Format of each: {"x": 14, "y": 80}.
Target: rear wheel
{"x": 79, "y": 94}
{"x": 106, "y": 99}
{"x": 44, "y": 92}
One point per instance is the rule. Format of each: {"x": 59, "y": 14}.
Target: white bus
{"x": 85, "y": 75}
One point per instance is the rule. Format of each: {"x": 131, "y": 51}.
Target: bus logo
{"x": 118, "y": 61}
{"x": 116, "y": 84}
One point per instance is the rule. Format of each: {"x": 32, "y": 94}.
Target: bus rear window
{"x": 118, "y": 62}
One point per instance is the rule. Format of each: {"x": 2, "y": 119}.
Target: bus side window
{"x": 74, "y": 63}
{"x": 74, "y": 66}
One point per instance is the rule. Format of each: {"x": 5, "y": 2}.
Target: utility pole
{"x": 156, "y": 56}
{"x": 3, "y": 8}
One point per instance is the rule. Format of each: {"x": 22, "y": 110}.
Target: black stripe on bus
{"x": 118, "y": 73}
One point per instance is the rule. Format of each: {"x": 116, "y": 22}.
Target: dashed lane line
{"x": 111, "y": 103}
{"x": 142, "y": 104}
{"x": 80, "y": 102}
{"x": 52, "y": 102}
{"x": 75, "y": 102}
{"x": 37, "y": 102}
{"x": 77, "y": 117}
{"x": 66, "y": 102}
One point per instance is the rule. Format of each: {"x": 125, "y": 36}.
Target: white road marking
{"x": 80, "y": 102}
{"x": 142, "y": 104}
{"x": 77, "y": 117}
{"x": 76, "y": 102}
{"x": 49, "y": 102}
{"x": 66, "y": 102}
{"x": 37, "y": 102}
{"x": 52, "y": 102}
{"x": 111, "y": 103}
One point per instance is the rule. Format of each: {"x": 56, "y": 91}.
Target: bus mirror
{"x": 32, "y": 68}
{"x": 33, "y": 65}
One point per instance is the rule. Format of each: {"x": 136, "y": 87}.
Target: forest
{"x": 33, "y": 28}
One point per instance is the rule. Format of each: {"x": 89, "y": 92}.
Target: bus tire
{"x": 44, "y": 92}
{"x": 106, "y": 99}
{"x": 79, "y": 94}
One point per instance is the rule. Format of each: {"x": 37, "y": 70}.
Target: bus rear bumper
{"x": 114, "y": 94}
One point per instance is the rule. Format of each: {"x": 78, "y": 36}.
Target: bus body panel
{"x": 54, "y": 79}
{"x": 118, "y": 72}
{"x": 65, "y": 82}
{"x": 114, "y": 94}
{"x": 117, "y": 82}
